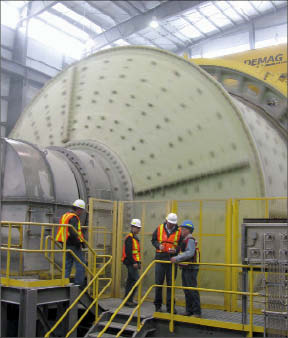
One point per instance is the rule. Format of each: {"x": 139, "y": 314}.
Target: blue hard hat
{"x": 187, "y": 224}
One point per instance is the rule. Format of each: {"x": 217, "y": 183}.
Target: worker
{"x": 189, "y": 253}
{"x": 131, "y": 257}
{"x": 74, "y": 242}
{"x": 166, "y": 241}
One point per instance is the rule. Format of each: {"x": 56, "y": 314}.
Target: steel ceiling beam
{"x": 124, "y": 8}
{"x": 61, "y": 30}
{"x": 67, "y": 18}
{"x": 232, "y": 30}
{"x": 36, "y": 8}
{"x": 209, "y": 20}
{"x": 20, "y": 71}
{"x": 80, "y": 7}
{"x": 223, "y": 13}
{"x": 256, "y": 10}
{"x": 244, "y": 17}
{"x": 194, "y": 26}
{"x": 139, "y": 22}
{"x": 139, "y": 12}
{"x": 162, "y": 27}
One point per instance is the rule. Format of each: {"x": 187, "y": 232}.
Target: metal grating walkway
{"x": 147, "y": 310}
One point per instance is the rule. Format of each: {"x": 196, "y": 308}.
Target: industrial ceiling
{"x": 169, "y": 25}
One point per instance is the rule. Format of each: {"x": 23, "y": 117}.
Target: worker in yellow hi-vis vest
{"x": 74, "y": 241}
{"x": 131, "y": 257}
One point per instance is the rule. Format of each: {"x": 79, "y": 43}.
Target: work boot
{"x": 197, "y": 315}
{"x": 130, "y": 304}
{"x": 169, "y": 310}
{"x": 158, "y": 308}
{"x": 187, "y": 313}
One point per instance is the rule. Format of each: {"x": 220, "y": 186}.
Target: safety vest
{"x": 169, "y": 242}
{"x": 195, "y": 258}
{"x": 65, "y": 220}
{"x": 135, "y": 249}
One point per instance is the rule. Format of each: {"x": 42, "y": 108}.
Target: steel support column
{"x": 73, "y": 314}
{"x": 3, "y": 316}
{"x": 27, "y": 313}
{"x": 252, "y": 35}
{"x": 17, "y": 89}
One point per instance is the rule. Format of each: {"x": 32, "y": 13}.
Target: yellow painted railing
{"x": 225, "y": 230}
{"x": 141, "y": 299}
{"x": 94, "y": 302}
{"x": 19, "y": 225}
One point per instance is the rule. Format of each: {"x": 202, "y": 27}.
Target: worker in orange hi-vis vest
{"x": 74, "y": 242}
{"x": 131, "y": 257}
{"x": 166, "y": 240}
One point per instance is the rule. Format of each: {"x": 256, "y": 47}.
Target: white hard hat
{"x": 136, "y": 223}
{"x": 79, "y": 204}
{"x": 171, "y": 218}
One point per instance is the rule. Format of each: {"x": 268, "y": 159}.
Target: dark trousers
{"x": 162, "y": 271}
{"x": 192, "y": 298}
{"x": 80, "y": 271}
{"x": 133, "y": 276}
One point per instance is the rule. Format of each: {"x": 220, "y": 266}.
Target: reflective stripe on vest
{"x": 170, "y": 242}
{"x": 65, "y": 220}
{"x": 135, "y": 249}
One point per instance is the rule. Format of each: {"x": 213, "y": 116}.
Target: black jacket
{"x": 73, "y": 238}
{"x": 165, "y": 256}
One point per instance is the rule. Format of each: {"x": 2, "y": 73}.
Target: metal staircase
{"x": 117, "y": 324}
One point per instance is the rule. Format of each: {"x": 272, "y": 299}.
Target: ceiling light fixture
{"x": 154, "y": 23}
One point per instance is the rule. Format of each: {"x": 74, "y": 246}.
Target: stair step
{"x": 122, "y": 317}
{"x": 119, "y": 326}
{"x": 95, "y": 335}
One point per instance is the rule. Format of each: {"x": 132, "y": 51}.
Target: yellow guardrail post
{"x": 266, "y": 208}
{"x": 200, "y": 235}
{"x": 42, "y": 237}
{"x": 8, "y": 252}
{"x": 251, "y": 303}
{"x": 174, "y": 206}
{"x": 21, "y": 265}
{"x": 228, "y": 233}
{"x": 63, "y": 259}
{"x": 77, "y": 299}
{"x": 114, "y": 236}
{"x": 96, "y": 297}
{"x": 139, "y": 309}
{"x": 94, "y": 273}
{"x": 52, "y": 254}
{"x": 235, "y": 236}
{"x": 125, "y": 300}
{"x": 119, "y": 249}
{"x": 171, "y": 324}
{"x": 142, "y": 233}
{"x": 91, "y": 260}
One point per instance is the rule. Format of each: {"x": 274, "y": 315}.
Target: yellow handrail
{"x": 127, "y": 297}
{"x": 78, "y": 298}
{"x": 171, "y": 327}
{"x": 90, "y": 306}
{"x": 11, "y": 224}
{"x": 58, "y": 267}
{"x": 67, "y": 250}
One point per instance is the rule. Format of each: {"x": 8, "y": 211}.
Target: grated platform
{"x": 148, "y": 309}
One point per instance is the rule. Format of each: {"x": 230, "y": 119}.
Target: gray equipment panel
{"x": 265, "y": 242}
